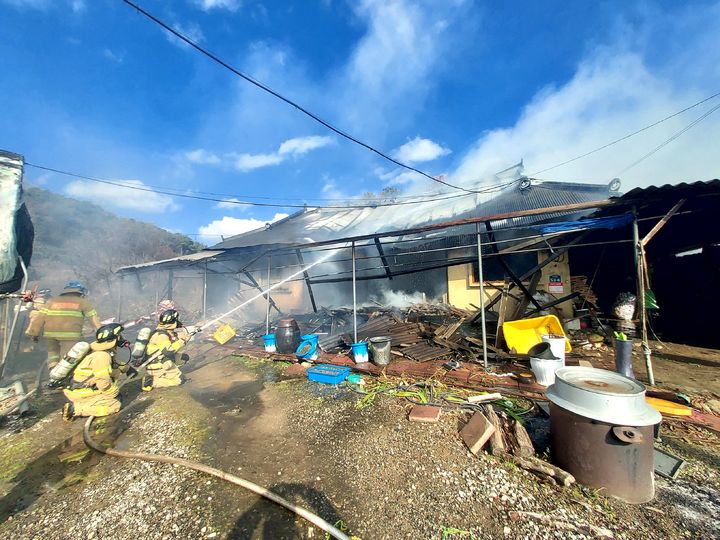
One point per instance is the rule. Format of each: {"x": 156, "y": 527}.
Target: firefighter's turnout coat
{"x": 94, "y": 389}
{"x": 60, "y": 322}
{"x": 169, "y": 339}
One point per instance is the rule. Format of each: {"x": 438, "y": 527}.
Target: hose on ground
{"x": 263, "y": 492}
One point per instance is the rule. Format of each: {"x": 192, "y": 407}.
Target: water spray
{"x": 322, "y": 259}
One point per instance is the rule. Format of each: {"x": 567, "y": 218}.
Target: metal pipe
{"x": 639, "y": 253}
{"x": 8, "y": 338}
{"x": 267, "y": 301}
{"x": 204, "y": 295}
{"x": 354, "y": 288}
{"x": 120, "y": 298}
{"x": 482, "y": 295}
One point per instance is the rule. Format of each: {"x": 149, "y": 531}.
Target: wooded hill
{"x": 80, "y": 240}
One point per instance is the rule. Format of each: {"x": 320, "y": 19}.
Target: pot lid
{"x": 600, "y": 381}
{"x": 602, "y": 395}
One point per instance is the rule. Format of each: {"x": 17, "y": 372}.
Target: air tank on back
{"x": 68, "y": 363}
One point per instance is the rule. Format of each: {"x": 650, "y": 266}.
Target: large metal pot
{"x": 602, "y": 431}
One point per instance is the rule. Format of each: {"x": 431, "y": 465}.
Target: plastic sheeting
{"x": 612, "y": 222}
{"x": 16, "y": 230}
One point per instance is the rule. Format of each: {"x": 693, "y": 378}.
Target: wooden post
{"x": 482, "y": 295}
{"x": 170, "y": 284}
{"x": 120, "y": 297}
{"x": 640, "y": 289}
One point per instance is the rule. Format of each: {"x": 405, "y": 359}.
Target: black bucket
{"x": 623, "y": 357}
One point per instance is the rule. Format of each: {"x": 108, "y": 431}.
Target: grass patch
{"x": 15, "y": 454}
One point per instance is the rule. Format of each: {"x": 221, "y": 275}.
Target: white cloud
{"x": 121, "y": 197}
{"x": 249, "y": 162}
{"x": 113, "y": 56}
{"x": 295, "y": 147}
{"x": 191, "y": 30}
{"x": 202, "y": 157}
{"x": 302, "y": 145}
{"x": 611, "y": 94}
{"x": 230, "y": 226}
{"x": 207, "y": 5}
{"x": 418, "y": 150}
{"x": 230, "y": 203}
{"x": 78, "y": 6}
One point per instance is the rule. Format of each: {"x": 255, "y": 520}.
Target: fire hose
{"x": 259, "y": 490}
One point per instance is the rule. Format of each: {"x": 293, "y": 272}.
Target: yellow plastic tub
{"x": 523, "y": 334}
{"x": 224, "y": 334}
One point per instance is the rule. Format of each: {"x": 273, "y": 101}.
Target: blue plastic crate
{"x": 328, "y": 374}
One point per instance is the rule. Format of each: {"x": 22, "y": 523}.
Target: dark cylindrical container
{"x": 623, "y": 357}
{"x": 617, "y": 459}
{"x": 287, "y": 336}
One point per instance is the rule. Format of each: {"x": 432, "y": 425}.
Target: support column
{"x": 354, "y": 295}
{"x": 170, "y": 284}
{"x": 482, "y": 295}
{"x": 640, "y": 290}
{"x": 307, "y": 279}
{"x": 120, "y": 297}
{"x": 204, "y": 293}
{"x": 267, "y": 300}
{"x": 381, "y": 252}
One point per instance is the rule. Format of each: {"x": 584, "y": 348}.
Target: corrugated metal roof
{"x": 681, "y": 190}
{"x": 320, "y": 225}
{"x": 191, "y": 258}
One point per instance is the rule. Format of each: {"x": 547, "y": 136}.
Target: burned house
{"x": 402, "y": 252}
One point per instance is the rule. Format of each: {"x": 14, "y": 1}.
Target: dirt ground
{"x": 367, "y": 469}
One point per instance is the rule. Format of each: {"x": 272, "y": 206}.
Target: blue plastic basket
{"x": 328, "y": 374}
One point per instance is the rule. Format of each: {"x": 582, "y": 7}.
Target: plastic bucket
{"x": 380, "y": 349}
{"x": 360, "y": 352}
{"x": 269, "y": 340}
{"x": 544, "y": 370}
{"x": 557, "y": 345}
{"x": 308, "y": 349}
{"x": 623, "y": 357}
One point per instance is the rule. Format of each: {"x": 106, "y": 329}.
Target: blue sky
{"x": 454, "y": 87}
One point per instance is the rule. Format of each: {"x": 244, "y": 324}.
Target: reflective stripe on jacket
{"x": 62, "y": 317}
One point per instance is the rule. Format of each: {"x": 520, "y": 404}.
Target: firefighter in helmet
{"x": 170, "y": 337}
{"x": 93, "y": 390}
{"x": 60, "y": 321}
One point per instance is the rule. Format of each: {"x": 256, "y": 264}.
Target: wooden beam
{"x": 660, "y": 224}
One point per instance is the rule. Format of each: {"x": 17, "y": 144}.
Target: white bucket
{"x": 544, "y": 370}
{"x": 557, "y": 346}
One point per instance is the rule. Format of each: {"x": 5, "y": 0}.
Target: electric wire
{"x": 290, "y": 102}
{"x": 670, "y": 139}
{"x": 189, "y": 195}
{"x": 603, "y": 147}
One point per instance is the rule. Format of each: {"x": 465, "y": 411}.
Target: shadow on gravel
{"x": 66, "y": 464}
{"x": 267, "y": 521}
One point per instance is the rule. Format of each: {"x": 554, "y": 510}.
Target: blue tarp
{"x": 612, "y": 222}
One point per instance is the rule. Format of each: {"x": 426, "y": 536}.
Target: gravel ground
{"x": 380, "y": 475}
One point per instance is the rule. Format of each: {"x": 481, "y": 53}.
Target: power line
{"x": 186, "y": 195}
{"x": 290, "y": 102}
{"x": 603, "y": 147}
{"x": 670, "y": 139}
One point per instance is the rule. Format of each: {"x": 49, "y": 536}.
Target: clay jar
{"x": 287, "y": 336}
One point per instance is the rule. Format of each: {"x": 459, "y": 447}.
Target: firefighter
{"x": 61, "y": 320}
{"x": 170, "y": 336}
{"x": 93, "y": 390}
